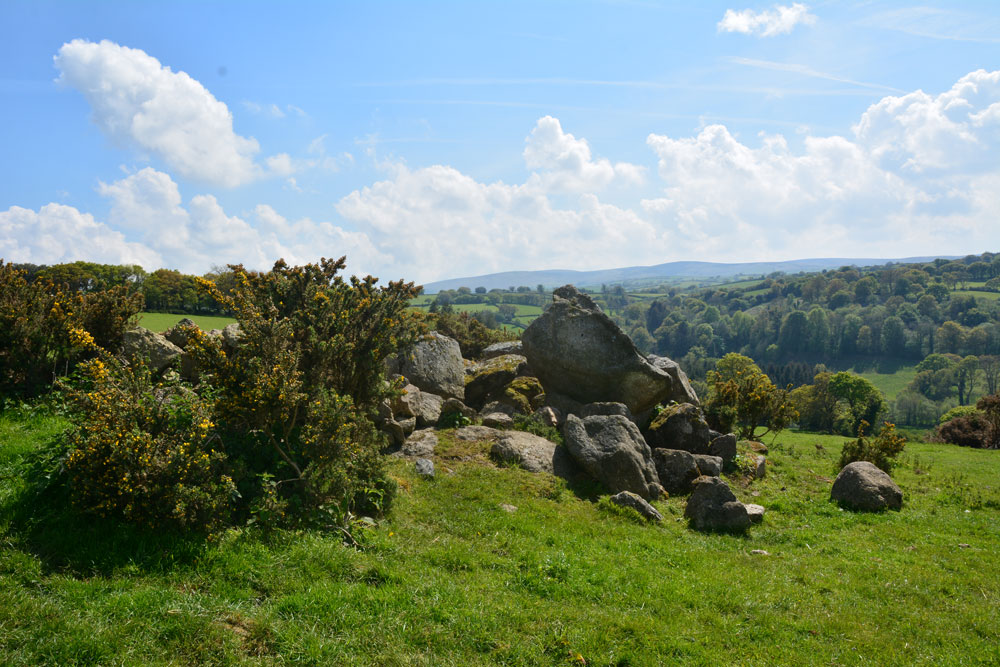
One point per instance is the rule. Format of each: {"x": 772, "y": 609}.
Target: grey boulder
{"x": 576, "y": 350}
{"x": 682, "y": 392}
{"x": 723, "y": 446}
{"x": 500, "y": 349}
{"x": 534, "y": 454}
{"x": 434, "y": 364}
{"x": 709, "y": 465}
{"x": 863, "y": 486}
{"x": 143, "y": 345}
{"x": 676, "y": 469}
{"x": 612, "y": 450}
{"x": 713, "y": 506}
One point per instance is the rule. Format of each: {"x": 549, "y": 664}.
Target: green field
{"x": 891, "y": 383}
{"x": 451, "y": 578}
{"x": 163, "y": 321}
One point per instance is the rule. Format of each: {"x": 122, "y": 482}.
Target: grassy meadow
{"x": 452, "y": 578}
{"x": 160, "y": 322}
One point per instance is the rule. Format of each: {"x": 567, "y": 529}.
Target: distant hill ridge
{"x": 635, "y": 275}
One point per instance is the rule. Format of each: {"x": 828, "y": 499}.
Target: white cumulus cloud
{"x": 566, "y": 164}
{"x": 778, "y": 20}
{"x": 137, "y": 101}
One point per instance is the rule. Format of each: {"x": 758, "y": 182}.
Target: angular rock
{"x": 755, "y": 512}
{"x": 426, "y": 407}
{"x": 679, "y": 426}
{"x": 394, "y": 430}
{"x": 709, "y": 465}
{"x": 612, "y": 450}
{"x": 760, "y": 466}
{"x": 408, "y": 424}
{"x": 400, "y": 405}
{"x": 486, "y": 380}
{"x": 713, "y": 506}
{"x": 629, "y": 499}
{"x": 498, "y": 420}
{"x": 676, "y": 469}
{"x": 500, "y": 349}
{"x": 420, "y": 445}
{"x": 497, "y": 406}
{"x": 434, "y": 364}
{"x": 181, "y": 332}
{"x": 576, "y": 350}
{"x": 534, "y": 454}
{"x": 724, "y": 447}
{"x": 682, "y": 390}
{"x": 757, "y": 447}
{"x": 863, "y": 486}
{"x": 151, "y": 348}
{"x": 605, "y": 408}
{"x": 424, "y": 467}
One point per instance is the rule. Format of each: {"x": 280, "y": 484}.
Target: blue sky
{"x": 434, "y": 140}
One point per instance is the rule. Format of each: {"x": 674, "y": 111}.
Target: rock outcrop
{"x": 682, "y": 391}
{"x": 863, "y": 486}
{"x": 486, "y": 380}
{"x": 576, "y": 350}
{"x": 676, "y": 469}
{"x": 612, "y": 450}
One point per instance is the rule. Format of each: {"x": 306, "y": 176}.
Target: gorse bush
{"x": 145, "y": 452}
{"x": 36, "y": 320}
{"x": 880, "y": 450}
{"x": 279, "y": 428}
{"x": 741, "y": 396}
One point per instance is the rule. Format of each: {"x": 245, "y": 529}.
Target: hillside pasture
{"x": 160, "y": 322}
{"x": 454, "y": 578}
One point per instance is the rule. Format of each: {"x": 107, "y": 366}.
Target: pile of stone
{"x": 630, "y": 421}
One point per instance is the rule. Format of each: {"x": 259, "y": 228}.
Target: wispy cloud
{"x": 779, "y": 20}
{"x": 805, "y": 70}
{"x": 935, "y": 23}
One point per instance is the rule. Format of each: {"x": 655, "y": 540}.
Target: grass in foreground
{"x": 454, "y": 579}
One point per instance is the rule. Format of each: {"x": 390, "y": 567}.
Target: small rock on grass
{"x": 508, "y": 508}
{"x": 759, "y": 552}
{"x": 425, "y": 467}
{"x": 756, "y": 512}
{"x": 633, "y": 500}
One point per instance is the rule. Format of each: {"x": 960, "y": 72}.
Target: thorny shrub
{"x": 880, "y": 450}
{"x": 279, "y": 430}
{"x": 36, "y": 319}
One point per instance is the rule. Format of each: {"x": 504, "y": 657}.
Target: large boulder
{"x": 610, "y": 448}
{"x": 486, "y": 380}
{"x": 143, "y": 345}
{"x": 863, "y": 486}
{"x": 713, "y": 506}
{"x": 682, "y": 392}
{"x": 723, "y": 446}
{"x": 534, "y": 454}
{"x": 576, "y": 350}
{"x": 676, "y": 469}
{"x": 434, "y": 364}
{"x": 679, "y": 426}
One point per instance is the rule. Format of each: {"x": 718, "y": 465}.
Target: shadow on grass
{"x": 41, "y": 520}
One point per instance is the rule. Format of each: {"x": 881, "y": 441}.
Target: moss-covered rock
{"x": 486, "y": 380}
{"x": 521, "y": 392}
{"x": 679, "y": 426}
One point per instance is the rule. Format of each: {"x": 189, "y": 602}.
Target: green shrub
{"x": 278, "y": 431}
{"x": 36, "y": 321}
{"x": 145, "y": 453}
{"x": 880, "y": 450}
{"x": 958, "y": 411}
{"x": 531, "y": 424}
